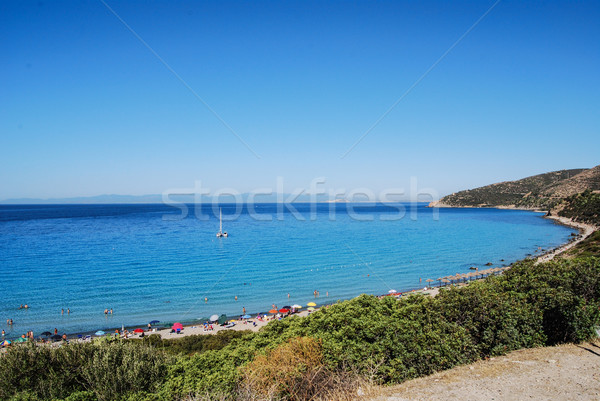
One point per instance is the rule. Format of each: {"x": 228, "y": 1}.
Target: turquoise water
{"x": 148, "y": 263}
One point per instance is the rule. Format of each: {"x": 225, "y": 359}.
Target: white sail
{"x": 221, "y": 233}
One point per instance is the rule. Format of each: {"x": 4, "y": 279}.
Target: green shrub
{"x": 193, "y": 344}
{"x": 118, "y": 369}
{"x": 82, "y": 396}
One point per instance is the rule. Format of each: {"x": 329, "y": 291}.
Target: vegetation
{"x": 583, "y": 207}
{"x": 340, "y": 347}
{"x": 588, "y": 247}
{"x": 192, "y": 344}
{"x": 543, "y": 191}
{"x": 537, "y": 191}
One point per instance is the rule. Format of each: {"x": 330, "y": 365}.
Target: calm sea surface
{"x": 146, "y": 262}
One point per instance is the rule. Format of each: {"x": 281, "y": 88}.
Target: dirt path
{"x": 568, "y": 372}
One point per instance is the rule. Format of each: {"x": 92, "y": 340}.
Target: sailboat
{"x": 221, "y": 233}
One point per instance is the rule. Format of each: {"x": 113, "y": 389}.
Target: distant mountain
{"x": 539, "y": 191}
{"x": 157, "y": 198}
{"x": 99, "y": 199}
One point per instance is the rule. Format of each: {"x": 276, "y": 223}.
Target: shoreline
{"x": 585, "y": 230}
{"x": 254, "y": 324}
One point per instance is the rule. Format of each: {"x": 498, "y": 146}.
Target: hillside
{"x": 586, "y": 180}
{"x": 538, "y": 191}
{"x": 583, "y": 207}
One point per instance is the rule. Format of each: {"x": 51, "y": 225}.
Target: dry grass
{"x": 296, "y": 371}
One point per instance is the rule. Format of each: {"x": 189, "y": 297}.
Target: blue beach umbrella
{"x": 4, "y": 343}
{"x": 246, "y": 317}
{"x": 155, "y": 321}
{"x": 99, "y": 333}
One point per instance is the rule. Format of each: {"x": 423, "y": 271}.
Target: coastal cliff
{"x": 548, "y": 191}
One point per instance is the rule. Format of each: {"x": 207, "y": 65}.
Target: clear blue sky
{"x": 87, "y": 109}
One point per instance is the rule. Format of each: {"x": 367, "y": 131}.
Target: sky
{"x": 136, "y": 97}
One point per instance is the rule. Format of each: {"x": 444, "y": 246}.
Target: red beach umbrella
{"x": 177, "y": 326}
{"x": 138, "y": 331}
{"x": 283, "y": 310}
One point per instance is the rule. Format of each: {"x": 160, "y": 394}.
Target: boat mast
{"x": 220, "y": 220}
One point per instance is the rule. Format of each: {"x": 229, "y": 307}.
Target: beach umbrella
{"x": 246, "y": 317}
{"x": 213, "y": 318}
{"x": 177, "y": 326}
{"x": 297, "y": 306}
{"x": 20, "y": 340}
{"x": 5, "y": 343}
{"x": 445, "y": 280}
{"x": 138, "y": 330}
{"x": 232, "y": 321}
{"x": 287, "y": 307}
{"x": 391, "y": 291}
{"x": 311, "y": 304}
{"x": 429, "y": 280}
{"x": 283, "y": 310}
{"x": 273, "y": 311}
{"x": 310, "y": 309}
{"x": 46, "y": 333}
{"x": 98, "y": 333}
{"x": 155, "y": 321}
{"x": 222, "y": 319}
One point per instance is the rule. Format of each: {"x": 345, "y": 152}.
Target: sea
{"x": 70, "y": 263}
